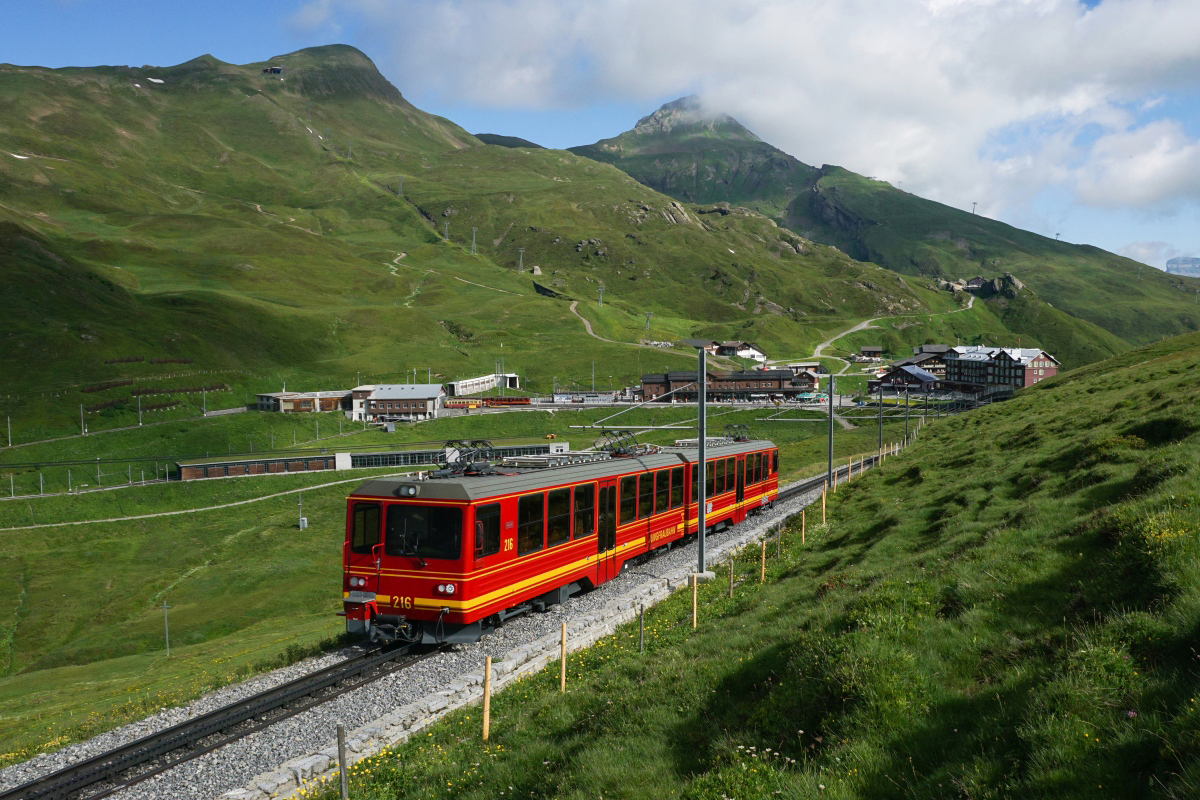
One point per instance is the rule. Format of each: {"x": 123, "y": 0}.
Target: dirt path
{"x": 866, "y": 324}
{"x": 713, "y": 360}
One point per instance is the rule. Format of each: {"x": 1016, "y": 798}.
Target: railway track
{"x": 811, "y": 484}
{"x": 104, "y": 774}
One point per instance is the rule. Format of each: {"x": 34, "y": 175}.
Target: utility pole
{"x": 82, "y": 429}
{"x": 906, "y": 414}
{"x": 832, "y": 389}
{"x": 446, "y": 232}
{"x": 204, "y": 401}
{"x": 881, "y": 414}
{"x": 973, "y": 204}
{"x": 648, "y": 314}
{"x": 139, "y": 409}
{"x": 520, "y": 260}
{"x": 601, "y": 296}
{"x": 593, "y": 376}
{"x": 473, "y": 240}
{"x": 701, "y": 464}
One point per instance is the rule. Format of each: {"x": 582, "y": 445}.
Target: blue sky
{"x": 1054, "y": 115}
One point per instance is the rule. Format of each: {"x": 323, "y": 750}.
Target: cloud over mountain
{"x": 958, "y": 100}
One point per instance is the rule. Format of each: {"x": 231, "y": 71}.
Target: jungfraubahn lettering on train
{"x": 447, "y": 559}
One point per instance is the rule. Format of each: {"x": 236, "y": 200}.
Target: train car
{"x": 498, "y": 402}
{"x": 447, "y": 559}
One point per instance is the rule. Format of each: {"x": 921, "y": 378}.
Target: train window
{"x": 774, "y": 462}
{"x": 695, "y": 498}
{"x": 628, "y": 499}
{"x": 487, "y": 530}
{"x": 758, "y": 462}
{"x": 677, "y": 487}
{"x": 423, "y": 531}
{"x": 645, "y": 495}
{"x": 558, "y": 517}
{"x": 585, "y": 510}
{"x": 662, "y": 490}
{"x": 365, "y": 533}
{"x": 531, "y": 518}
{"x": 730, "y": 474}
{"x": 710, "y": 481}
{"x": 720, "y": 470}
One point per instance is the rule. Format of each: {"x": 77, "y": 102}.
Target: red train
{"x": 446, "y": 559}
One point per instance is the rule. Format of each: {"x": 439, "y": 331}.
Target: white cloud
{"x": 1153, "y": 253}
{"x": 957, "y": 100}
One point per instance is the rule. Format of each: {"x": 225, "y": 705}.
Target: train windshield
{"x": 423, "y": 531}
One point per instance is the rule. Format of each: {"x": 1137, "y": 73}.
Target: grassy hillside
{"x": 874, "y": 221}
{"x": 100, "y": 585}
{"x": 1008, "y": 609}
{"x": 702, "y": 156}
{"x": 251, "y": 221}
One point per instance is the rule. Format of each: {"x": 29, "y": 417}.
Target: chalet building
{"x": 987, "y": 369}
{"x": 358, "y": 401}
{"x": 395, "y": 402}
{"x": 807, "y": 366}
{"x": 905, "y": 377}
{"x": 937, "y": 349}
{"x": 976, "y": 283}
{"x": 743, "y": 349}
{"x": 744, "y": 386}
{"x": 304, "y": 402}
{"x": 871, "y": 351}
{"x": 709, "y": 345}
{"x": 934, "y": 363}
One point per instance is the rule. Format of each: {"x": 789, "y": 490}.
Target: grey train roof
{"x": 478, "y": 487}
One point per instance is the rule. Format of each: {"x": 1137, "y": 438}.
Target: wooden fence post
{"x": 762, "y": 564}
{"x": 695, "y": 583}
{"x": 732, "y": 558}
{"x": 487, "y": 697}
{"x": 562, "y": 666}
{"x": 803, "y": 526}
{"x": 345, "y": 779}
{"x": 822, "y": 506}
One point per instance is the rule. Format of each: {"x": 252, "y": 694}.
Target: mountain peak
{"x": 689, "y": 115}
{"x": 336, "y": 71}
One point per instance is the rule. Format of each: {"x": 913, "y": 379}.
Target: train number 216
{"x": 402, "y": 602}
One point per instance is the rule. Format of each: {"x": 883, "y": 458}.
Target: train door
{"x": 741, "y": 479}
{"x": 606, "y": 531}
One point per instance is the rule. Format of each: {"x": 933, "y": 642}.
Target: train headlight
{"x": 449, "y": 588}
{"x": 408, "y": 491}
{"x": 445, "y": 588}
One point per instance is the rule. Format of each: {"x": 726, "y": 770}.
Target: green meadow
{"x": 81, "y": 629}
{"x": 1007, "y": 609}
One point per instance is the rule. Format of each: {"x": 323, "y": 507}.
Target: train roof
{"x": 516, "y": 481}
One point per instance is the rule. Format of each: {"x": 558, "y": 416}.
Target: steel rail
{"x": 190, "y": 735}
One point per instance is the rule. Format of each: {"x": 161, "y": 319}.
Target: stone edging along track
{"x": 583, "y": 630}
